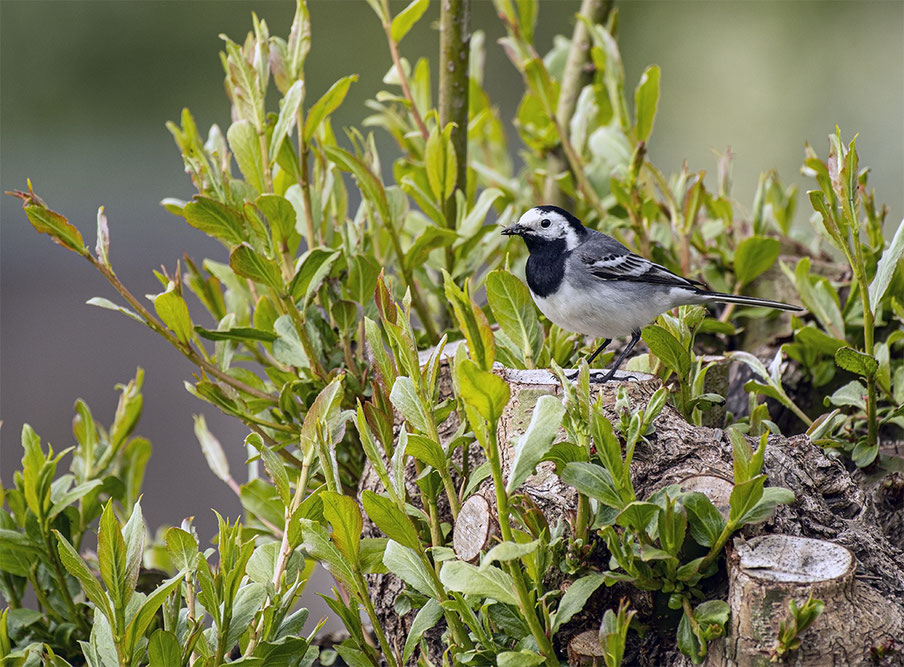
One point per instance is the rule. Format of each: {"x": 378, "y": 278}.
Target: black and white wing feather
{"x": 607, "y": 259}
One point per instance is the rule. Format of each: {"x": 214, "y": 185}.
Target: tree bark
{"x": 767, "y": 572}
{"x": 829, "y": 506}
{"x": 455, "y": 45}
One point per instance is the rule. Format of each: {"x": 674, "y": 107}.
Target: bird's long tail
{"x": 719, "y": 297}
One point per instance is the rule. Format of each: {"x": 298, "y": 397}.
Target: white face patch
{"x": 551, "y": 226}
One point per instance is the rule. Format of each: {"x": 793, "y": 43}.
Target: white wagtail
{"x": 589, "y": 283}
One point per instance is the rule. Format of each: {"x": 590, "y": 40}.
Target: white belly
{"x": 608, "y": 310}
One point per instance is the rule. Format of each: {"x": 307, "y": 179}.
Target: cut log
{"x": 474, "y": 528}
{"x": 716, "y": 488}
{"x": 829, "y": 506}
{"x": 766, "y": 573}
{"x": 585, "y": 649}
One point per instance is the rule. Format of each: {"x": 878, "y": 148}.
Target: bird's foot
{"x": 600, "y": 377}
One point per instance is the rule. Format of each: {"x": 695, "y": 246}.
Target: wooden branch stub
{"x": 474, "y": 528}
{"x": 766, "y": 572}
{"x": 585, "y": 649}
{"x": 716, "y": 488}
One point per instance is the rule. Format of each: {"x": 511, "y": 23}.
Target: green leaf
{"x": 275, "y": 469}
{"x": 885, "y": 270}
{"x": 431, "y": 239}
{"x": 248, "y": 263}
{"x": 245, "y": 144}
{"x": 80, "y": 570}
{"x": 864, "y": 454}
{"x": 239, "y": 334}
{"x": 744, "y": 498}
{"x": 164, "y": 649}
{"x": 403, "y": 22}
{"x": 212, "y": 449}
{"x": 72, "y": 496}
{"x": 484, "y": 391}
{"x": 288, "y": 108}
{"x": 465, "y": 578}
{"x": 637, "y": 516}
{"x": 215, "y": 219}
{"x": 394, "y": 523}
{"x": 171, "y": 308}
{"x": 426, "y": 450}
{"x": 853, "y": 394}
{"x": 57, "y": 226}
{"x": 182, "y": 548}
{"x": 753, "y": 256}
{"x": 516, "y": 314}
{"x": 506, "y": 551}
{"x": 316, "y": 542}
{"x": 246, "y": 604}
{"x": 405, "y": 563}
{"x": 314, "y": 269}
{"x": 646, "y": 99}
{"x": 344, "y": 516}
{"x": 441, "y": 163}
{"x": 688, "y": 643}
{"x": 608, "y": 446}
{"x": 706, "y": 522}
{"x": 426, "y": 618}
{"x": 667, "y": 348}
{"x": 575, "y": 598}
{"x": 134, "y": 534}
{"x": 148, "y": 610}
{"x": 712, "y": 612}
{"x": 772, "y": 496}
{"x": 856, "y": 362}
{"x": 326, "y": 105}
{"x": 593, "y": 481}
{"x": 111, "y": 555}
{"x": 280, "y": 214}
{"x": 522, "y": 658}
{"x": 287, "y": 348}
{"x": 537, "y": 439}
{"x": 816, "y": 339}
{"x": 353, "y": 657}
{"x": 473, "y": 323}
{"x": 109, "y": 305}
{"x": 371, "y": 186}
{"x": 362, "y": 278}
{"x": 406, "y": 400}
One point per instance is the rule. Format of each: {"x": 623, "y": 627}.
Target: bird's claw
{"x": 600, "y": 377}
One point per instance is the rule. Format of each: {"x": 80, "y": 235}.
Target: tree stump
{"x": 474, "y": 529}
{"x": 765, "y": 573}
{"x": 829, "y": 506}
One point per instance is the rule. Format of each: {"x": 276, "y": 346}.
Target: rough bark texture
{"x": 769, "y": 571}
{"x": 829, "y": 505}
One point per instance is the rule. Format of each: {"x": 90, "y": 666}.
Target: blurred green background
{"x": 85, "y": 89}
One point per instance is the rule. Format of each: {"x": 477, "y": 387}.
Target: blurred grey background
{"x": 86, "y": 87}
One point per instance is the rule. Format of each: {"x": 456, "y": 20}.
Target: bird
{"x": 588, "y": 283}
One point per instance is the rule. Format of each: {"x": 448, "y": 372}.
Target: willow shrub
{"x": 340, "y": 272}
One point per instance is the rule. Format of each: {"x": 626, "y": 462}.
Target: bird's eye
{"x": 544, "y": 223}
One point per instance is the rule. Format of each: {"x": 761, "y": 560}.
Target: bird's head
{"x": 544, "y": 225}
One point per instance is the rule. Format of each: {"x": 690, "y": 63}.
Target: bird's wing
{"x": 607, "y": 259}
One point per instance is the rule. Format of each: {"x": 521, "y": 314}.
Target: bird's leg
{"x": 635, "y": 336}
{"x": 598, "y": 350}
{"x": 572, "y": 375}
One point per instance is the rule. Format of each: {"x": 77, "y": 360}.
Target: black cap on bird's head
{"x": 548, "y": 224}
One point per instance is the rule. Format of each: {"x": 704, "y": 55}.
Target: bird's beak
{"x": 514, "y": 230}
